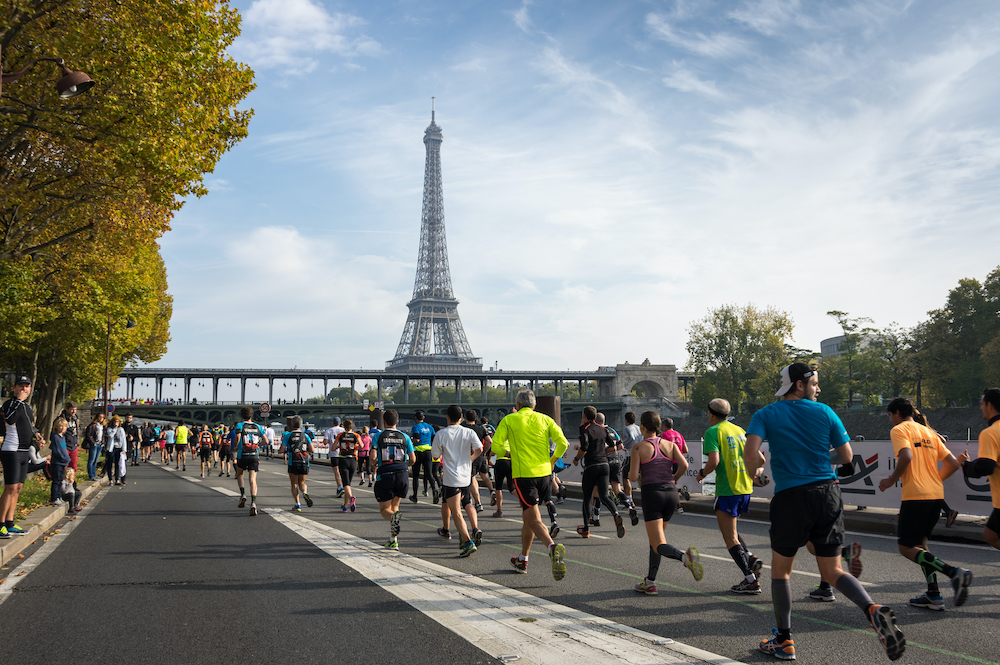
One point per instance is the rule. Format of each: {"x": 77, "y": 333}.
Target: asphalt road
{"x": 103, "y": 589}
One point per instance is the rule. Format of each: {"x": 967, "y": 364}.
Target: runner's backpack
{"x": 348, "y": 443}
{"x": 392, "y": 447}
{"x": 250, "y": 439}
{"x": 298, "y": 447}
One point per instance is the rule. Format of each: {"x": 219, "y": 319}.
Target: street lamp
{"x": 129, "y": 324}
{"x": 70, "y": 85}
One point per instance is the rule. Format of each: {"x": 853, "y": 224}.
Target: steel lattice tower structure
{"x": 433, "y": 320}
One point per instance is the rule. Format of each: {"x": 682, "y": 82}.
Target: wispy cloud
{"x": 521, "y": 17}
{"x": 687, "y": 81}
{"x": 718, "y": 45}
{"x": 768, "y": 17}
{"x": 292, "y": 34}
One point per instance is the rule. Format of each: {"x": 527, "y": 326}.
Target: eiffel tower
{"x": 433, "y": 320}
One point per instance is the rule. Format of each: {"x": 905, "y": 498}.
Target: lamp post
{"x": 129, "y": 324}
{"x": 70, "y": 85}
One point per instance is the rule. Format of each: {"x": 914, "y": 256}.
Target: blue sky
{"x": 611, "y": 172}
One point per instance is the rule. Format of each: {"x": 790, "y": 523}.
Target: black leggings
{"x": 596, "y": 475}
{"x": 348, "y": 467}
{"x": 424, "y": 459}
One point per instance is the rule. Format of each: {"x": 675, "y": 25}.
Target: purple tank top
{"x": 658, "y": 469}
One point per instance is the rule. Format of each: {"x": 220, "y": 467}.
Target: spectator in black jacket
{"x": 20, "y": 432}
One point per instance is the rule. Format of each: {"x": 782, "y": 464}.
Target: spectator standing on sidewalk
{"x": 133, "y": 439}
{"x": 114, "y": 461}
{"x": 72, "y": 432}
{"x": 59, "y": 459}
{"x": 93, "y": 443}
{"x": 20, "y": 432}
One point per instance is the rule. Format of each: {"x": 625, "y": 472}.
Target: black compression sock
{"x": 931, "y": 564}
{"x": 851, "y": 587}
{"x": 552, "y": 511}
{"x": 781, "y": 594}
{"x": 654, "y": 564}
{"x": 669, "y": 551}
{"x": 242, "y": 492}
{"x": 743, "y": 544}
{"x": 739, "y": 556}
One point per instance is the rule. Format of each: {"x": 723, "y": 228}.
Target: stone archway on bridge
{"x": 656, "y": 381}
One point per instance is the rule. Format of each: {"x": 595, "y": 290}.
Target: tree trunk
{"x": 47, "y": 410}
{"x": 33, "y": 372}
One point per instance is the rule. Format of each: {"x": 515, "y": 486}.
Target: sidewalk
{"x": 871, "y": 520}
{"x": 40, "y": 520}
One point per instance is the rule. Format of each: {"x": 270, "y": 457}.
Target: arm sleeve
{"x": 584, "y": 438}
{"x": 978, "y": 468}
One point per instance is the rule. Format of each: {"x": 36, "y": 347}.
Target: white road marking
{"x": 43, "y": 552}
{"x": 496, "y": 619}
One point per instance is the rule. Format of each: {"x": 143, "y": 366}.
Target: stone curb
{"x": 40, "y": 520}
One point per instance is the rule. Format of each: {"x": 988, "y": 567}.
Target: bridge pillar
{"x": 458, "y": 391}
{"x": 243, "y": 390}
{"x": 432, "y": 398}
{"x": 270, "y": 389}
{"x": 378, "y": 388}
{"x": 298, "y": 389}
{"x": 560, "y": 393}
{"x": 352, "y": 390}
{"x": 482, "y": 389}
{"x": 215, "y": 390}
{"x": 187, "y": 389}
{"x": 579, "y": 387}
{"x": 326, "y": 392}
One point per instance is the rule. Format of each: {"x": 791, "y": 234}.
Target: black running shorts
{"x": 298, "y": 469}
{"x": 916, "y": 521}
{"x": 659, "y": 501}
{"x": 226, "y": 453}
{"x": 205, "y": 454}
{"x": 15, "y": 466}
{"x": 348, "y": 467}
{"x": 993, "y": 523}
{"x": 812, "y": 513}
{"x": 533, "y": 491}
{"x": 390, "y": 485}
{"x": 479, "y": 465}
{"x": 614, "y": 470}
{"x": 501, "y": 471}
{"x": 448, "y": 492}
{"x": 248, "y": 464}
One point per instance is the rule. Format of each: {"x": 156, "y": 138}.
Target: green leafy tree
{"x": 855, "y": 335}
{"x": 740, "y": 350}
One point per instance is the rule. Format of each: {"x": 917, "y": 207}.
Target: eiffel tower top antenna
{"x": 433, "y": 337}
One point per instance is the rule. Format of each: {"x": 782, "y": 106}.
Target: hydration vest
{"x": 250, "y": 437}
{"x": 205, "y": 438}
{"x": 348, "y": 444}
{"x": 298, "y": 447}
{"x": 392, "y": 447}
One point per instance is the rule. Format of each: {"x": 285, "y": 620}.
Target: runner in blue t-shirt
{"x": 805, "y": 439}
{"x": 422, "y": 434}
{"x": 248, "y": 437}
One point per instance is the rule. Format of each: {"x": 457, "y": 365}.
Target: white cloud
{"x": 294, "y": 34}
{"x": 769, "y": 17}
{"x": 521, "y": 18}
{"x": 687, "y": 81}
{"x": 719, "y": 45}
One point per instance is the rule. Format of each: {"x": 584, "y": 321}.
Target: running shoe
{"x": 583, "y": 531}
{"x": 362, "y": 483}
{"x": 559, "y": 500}
{"x": 498, "y": 513}
{"x": 782, "y": 650}
{"x": 220, "y": 474}
{"x": 437, "y": 497}
{"x": 557, "y": 553}
{"x": 353, "y": 504}
{"x": 343, "y": 508}
{"x": 746, "y": 587}
{"x": 479, "y": 507}
{"x": 690, "y": 559}
{"x": 883, "y": 621}
{"x": 929, "y": 602}
{"x": 553, "y": 530}
{"x": 853, "y": 558}
{"x": 369, "y": 483}
{"x": 296, "y": 508}
{"x": 951, "y": 518}
{"x": 184, "y": 468}
{"x": 685, "y": 494}
{"x": 425, "y": 492}
{"x": 633, "y": 515}
{"x": 309, "y": 502}
{"x": 647, "y": 587}
{"x": 340, "y": 492}
{"x": 679, "y": 511}
{"x": 444, "y": 533}
{"x": 468, "y": 547}
{"x": 822, "y": 594}
{"x": 3, "y": 533}
{"x": 620, "y": 526}
{"x": 243, "y": 502}
{"x": 493, "y": 499}
{"x": 253, "y": 509}
{"x": 960, "y": 583}
{"x": 595, "y": 521}
{"x": 394, "y": 523}
{"x": 519, "y": 566}
{"x": 756, "y": 565}
{"x": 393, "y": 544}
{"x": 413, "y": 498}
{"x": 477, "y": 537}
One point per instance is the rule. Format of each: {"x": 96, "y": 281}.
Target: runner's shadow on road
{"x": 230, "y": 551}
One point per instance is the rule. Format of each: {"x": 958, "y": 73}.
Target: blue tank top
{"x": 658, "y": 469}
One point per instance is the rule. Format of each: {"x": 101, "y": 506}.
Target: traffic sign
{"x": 265, "y": 407}
{"x": 111, "y": 407}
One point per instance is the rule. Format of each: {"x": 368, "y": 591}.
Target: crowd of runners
{"x": 806, "y": 445}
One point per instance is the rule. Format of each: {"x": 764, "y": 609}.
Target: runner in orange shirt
{"x": 919, "y": 451}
